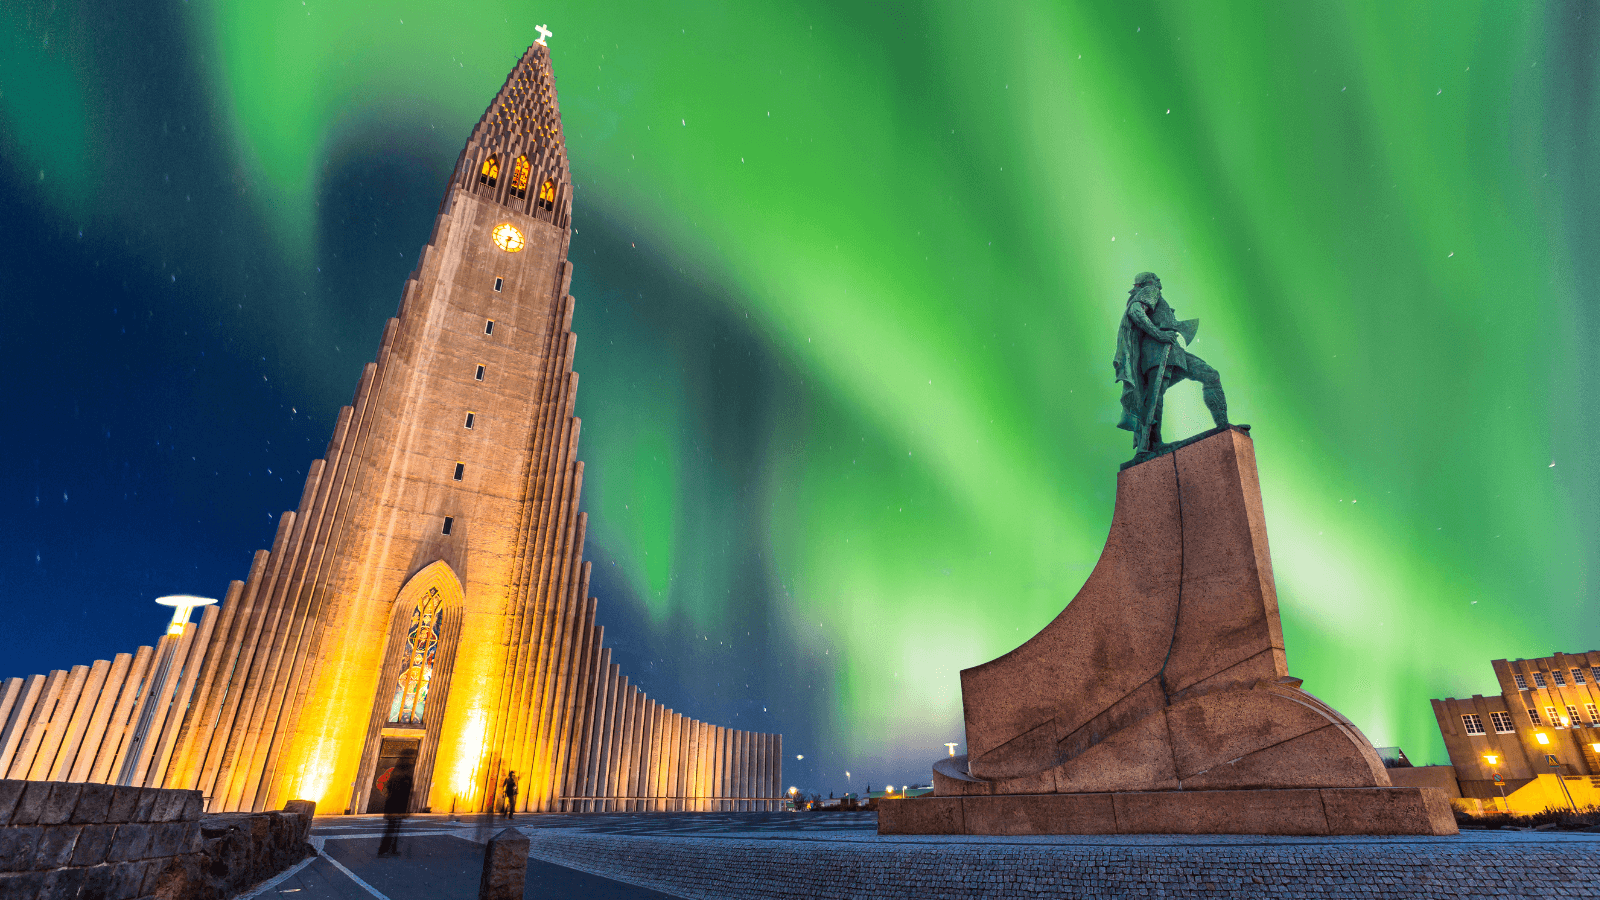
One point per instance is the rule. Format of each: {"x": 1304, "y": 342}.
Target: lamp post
{"x": 182, "y": 605}
{"x": 1499, "y": 782}
{"x": 1554, "y": 764}
{"x": 156, "y": 692}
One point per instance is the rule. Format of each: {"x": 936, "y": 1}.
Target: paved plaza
{"x": 841, "y": 855}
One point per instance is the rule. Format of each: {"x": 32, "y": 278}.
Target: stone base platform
{"x": 1300, "y": 811}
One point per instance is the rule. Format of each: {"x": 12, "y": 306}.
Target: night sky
{"x": 848, "y": 281}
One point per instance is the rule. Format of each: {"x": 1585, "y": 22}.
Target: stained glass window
{"x": 491, "y": 171}
{"x": 519, "y": 176}
{"x": 422, "y": 646}
{"x": 547, "y": 195}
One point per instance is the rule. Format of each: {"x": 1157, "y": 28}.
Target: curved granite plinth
{"x": 1164, "y": 677}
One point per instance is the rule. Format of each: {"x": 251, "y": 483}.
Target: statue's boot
{"x": 1167, "y": 671}
{"x": 1217, "y": 403}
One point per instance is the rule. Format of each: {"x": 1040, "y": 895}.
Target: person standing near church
{"x": 510, "y": 789}
{"x": 397, "y": 803}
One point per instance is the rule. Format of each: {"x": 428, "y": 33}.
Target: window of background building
{"x": 488, "y": 327}
{"x": 1555, "y": 720}
{"x": 479, "y": 376}
{"x": 1577, "y": 676}
{"x": 1522, "y": 683}
{"x": 498, "y": 282}
{"x": 1502, "y": 722}
{"x": 461, "y": 469}
{"x": 1561, "y": 680}
{"x": 1538, "y": 679}
{"x": 1594, "y": 714}
{"x": 1534, "y": 715}
{"x": 1572, "y": 716}
{"x": 470, "y": 418}
{"x": 448, "y": 521}
{"x": 1473, "y": 722}
{"x": 1594, "y": 672}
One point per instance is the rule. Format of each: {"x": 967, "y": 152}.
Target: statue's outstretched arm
{"x": 1137, "y": 313}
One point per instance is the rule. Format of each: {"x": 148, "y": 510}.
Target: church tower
{"x": 427, "y": 604}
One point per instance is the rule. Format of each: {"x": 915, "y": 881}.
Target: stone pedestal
{"x": 1160, "y": 698}
{"x": 505, "y": 866}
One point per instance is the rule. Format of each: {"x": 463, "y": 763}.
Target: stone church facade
{"x": 428, "y": 599}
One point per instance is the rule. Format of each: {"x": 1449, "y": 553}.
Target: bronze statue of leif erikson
{"x": 1151, "y": 359}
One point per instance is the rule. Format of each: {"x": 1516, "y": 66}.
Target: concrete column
{"x": 766, "y": 771}
{"x": 608, "y": 769}
{"x": 697, "y": 778}
{"x": 78, "y": 725}
{"x": 122, "y": 718}
{"x": 675, "y": 785}
{"x": 652, "y": 756}
{"x": 90, "y": 748}
{"x": 595, "y": 767}
{"x": 628, "y": 751}
{"x": 639, "y": 755}
{"x": 741, "y": 783}
{"x": 719, "y": 770}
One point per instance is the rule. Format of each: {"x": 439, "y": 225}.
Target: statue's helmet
{"x": 1144, "y": 278}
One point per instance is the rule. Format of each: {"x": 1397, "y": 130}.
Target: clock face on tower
{"x": 507, "y": 237}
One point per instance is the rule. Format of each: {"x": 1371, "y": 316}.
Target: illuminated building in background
{"x": 428, "y": 599}
{"x": 1536, "y": 743}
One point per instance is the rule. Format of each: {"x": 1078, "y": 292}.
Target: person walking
{"x": 510, "y": 789}
{"x": 397, "y": 803}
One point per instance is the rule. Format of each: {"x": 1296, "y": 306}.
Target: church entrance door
{"x": 389, "y": 755}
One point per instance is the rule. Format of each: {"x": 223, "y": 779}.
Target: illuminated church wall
{"x": 448, "y": 500}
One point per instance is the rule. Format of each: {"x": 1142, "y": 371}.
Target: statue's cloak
{"x": 1138, "y": 351}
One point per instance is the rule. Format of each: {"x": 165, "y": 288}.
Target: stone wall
{"x": 105, "y": 842}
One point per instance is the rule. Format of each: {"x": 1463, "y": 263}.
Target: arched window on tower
{"x": 547, "y": 196}
{"x": 519, "y": 177}
{"x": 490, "y": 173}
{"x": 422, "y": 648}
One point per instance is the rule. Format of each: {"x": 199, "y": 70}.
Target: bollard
{"x": 505, "y": 866}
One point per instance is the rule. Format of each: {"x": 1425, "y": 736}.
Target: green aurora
{"x": 916, "y": 223}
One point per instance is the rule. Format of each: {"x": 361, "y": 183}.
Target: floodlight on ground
{"x": 181, "y": 605}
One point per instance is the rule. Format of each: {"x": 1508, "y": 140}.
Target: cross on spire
{"x": 544, "y": 33}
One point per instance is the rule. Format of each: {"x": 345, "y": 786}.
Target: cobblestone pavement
{"x": 840, "y": 855}
{"x": 439, "y": 860}
{"x": 634, "y": 856}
